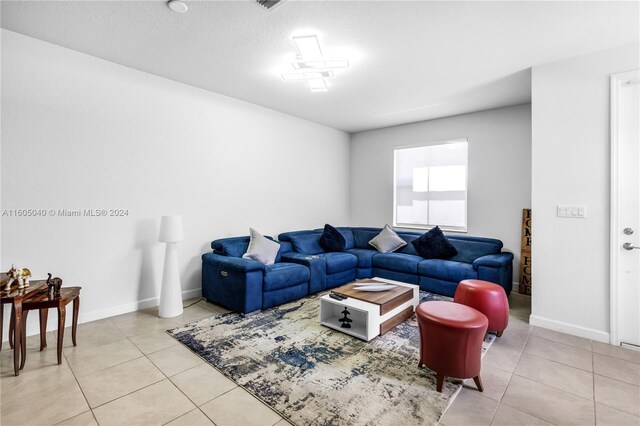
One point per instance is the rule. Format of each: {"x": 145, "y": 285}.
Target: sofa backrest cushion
{"x": 347, "y": 233}
{"x": 409, "y": 248}
{"x": 471, "y": 248}
{"x": 285, "y": 247}
{"x": 362, "y": 236}
{"x": 235, "y": 246}
{"x": 307, "y": 243}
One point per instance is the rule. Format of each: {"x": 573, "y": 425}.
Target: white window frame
{"x": 466, "y": 197}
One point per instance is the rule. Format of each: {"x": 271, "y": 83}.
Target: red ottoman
{"x": 451, "y": 338}
{"x": 488, "y": 298}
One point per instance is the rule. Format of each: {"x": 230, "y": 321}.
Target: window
{"x": 430, "y": 186}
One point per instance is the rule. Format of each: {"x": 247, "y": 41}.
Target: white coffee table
{"x": 372, "y": 313}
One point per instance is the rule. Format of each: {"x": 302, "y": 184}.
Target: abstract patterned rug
{"x": 313, "y": 375}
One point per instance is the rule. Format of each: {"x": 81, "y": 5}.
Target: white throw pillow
{"x": 387, "y": 240}
{"x": 261, "y": 248}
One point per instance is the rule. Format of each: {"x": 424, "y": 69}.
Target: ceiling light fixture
{"x": 308, "y": 46}
{"x": 318, "y": 85}
{"x": 177, "y": 6}
{"x": 322, "y": 63}
{"x": 297, "y": 76}
{"x": 310, "y": 65}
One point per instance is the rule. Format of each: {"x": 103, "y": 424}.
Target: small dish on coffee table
{"x": 374, "y": 287}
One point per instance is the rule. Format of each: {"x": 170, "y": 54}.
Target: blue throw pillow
{"x": 434, "y": 245}
{"x": 332, "y": 239}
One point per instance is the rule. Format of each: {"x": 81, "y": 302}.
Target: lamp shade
{"x": 171, "y": 229}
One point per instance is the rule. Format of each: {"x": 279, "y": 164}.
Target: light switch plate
{"x": 578, "y": 212}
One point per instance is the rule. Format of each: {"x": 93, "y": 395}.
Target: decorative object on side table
{"x": 171, "y": 291}
{"x": 53, "y": 286}
{"x": 19, "y": 275}
{"x": 346, "y": 321}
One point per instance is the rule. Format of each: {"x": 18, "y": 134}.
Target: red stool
{"x": 451, "y": 338}
{"x": 488, "y": 298}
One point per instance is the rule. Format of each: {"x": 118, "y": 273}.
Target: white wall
{"x": 571, "y": 165}
{"x": 79, "y": 132}
{"x": 499, "y": 170}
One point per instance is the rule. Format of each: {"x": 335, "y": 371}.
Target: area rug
{"x": 313, "y": 375}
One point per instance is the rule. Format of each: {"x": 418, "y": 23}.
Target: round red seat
{"x": 488, "y": 298}
{"x": 451, "y": 338}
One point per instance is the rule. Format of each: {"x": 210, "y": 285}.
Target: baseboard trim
{"x": 131, "y": 307}
{"x": 111, "y": 312}
{"x": 564, "y": 327}
{"x": 515, "y": 286}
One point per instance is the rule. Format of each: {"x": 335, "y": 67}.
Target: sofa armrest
{"x": 500, "y": 260}
{"x": 496, "y": 268}
{"x": 232, "y": 282}
{"x": 317, "y": 268}
{"x": 237, "y": 264}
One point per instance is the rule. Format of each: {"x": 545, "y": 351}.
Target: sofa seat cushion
{"x": 283, "y": 275}
{"x": 398, "y": 262}
{"x": 364, "y": 256}
{"x": 446, "y": 270}
{"x": 339, "y": 262}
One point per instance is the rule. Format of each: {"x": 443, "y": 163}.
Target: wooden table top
{"x": 41, "y": 298}
{"x": 14, "y": 292}
{"x": 387, "y": 299}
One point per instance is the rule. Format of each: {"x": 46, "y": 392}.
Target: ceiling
{"x": 410, "y": 61}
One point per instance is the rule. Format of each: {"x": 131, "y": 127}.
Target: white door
{"x": 625, "y": 209}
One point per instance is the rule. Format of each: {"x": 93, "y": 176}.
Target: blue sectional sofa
{"x": 303, "y": 267}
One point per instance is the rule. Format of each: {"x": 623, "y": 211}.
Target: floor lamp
{"x": 171, "y": 291}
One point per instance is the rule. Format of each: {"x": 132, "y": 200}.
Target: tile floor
{"x": 126, "y": 370}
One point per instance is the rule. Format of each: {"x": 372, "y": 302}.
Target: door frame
{"x": 614, "y": 249}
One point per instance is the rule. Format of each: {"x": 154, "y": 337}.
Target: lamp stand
{"x": 171, "y": 291}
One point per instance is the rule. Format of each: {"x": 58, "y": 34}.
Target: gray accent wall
{"x": 499, "y": 182}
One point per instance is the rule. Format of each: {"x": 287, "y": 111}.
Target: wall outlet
{"x": 578, "y": 212}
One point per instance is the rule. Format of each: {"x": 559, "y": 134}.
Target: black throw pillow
{"x": 332, "y": 239}
{"x": 434, "y": 245}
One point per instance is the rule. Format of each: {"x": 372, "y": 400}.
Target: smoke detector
{"x": 177, "y": 6}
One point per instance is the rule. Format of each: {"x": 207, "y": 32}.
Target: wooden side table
{"x": 42, "y": 301}
{"x": 15, "y": 297}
